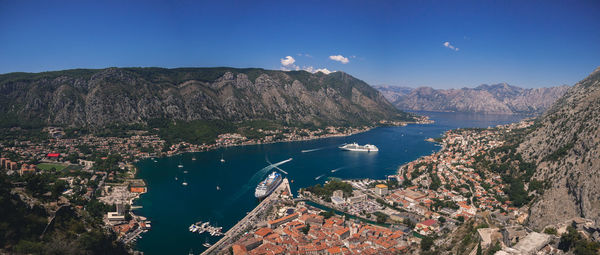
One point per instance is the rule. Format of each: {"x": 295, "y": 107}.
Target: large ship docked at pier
{"x": 356, "y": 147}
{"x": 267, "y": 186}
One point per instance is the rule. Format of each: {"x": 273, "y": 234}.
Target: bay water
{"x": 173, "y": 207}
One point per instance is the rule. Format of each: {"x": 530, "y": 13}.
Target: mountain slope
{"x": 566, "y": 148}
{"x": 96, "y": 98}
{"x": 498, "y": 99}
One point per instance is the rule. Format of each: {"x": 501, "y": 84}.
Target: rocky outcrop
{"x": 494, "y": 99}
{"x": 566, "y": 148}
{"x": 96, "y": 98}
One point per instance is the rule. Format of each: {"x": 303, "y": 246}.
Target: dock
{"x": 249, "y": 221}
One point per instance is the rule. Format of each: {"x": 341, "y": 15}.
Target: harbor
{"x": 173, "y": 207}
{"x": 252, "y": 219}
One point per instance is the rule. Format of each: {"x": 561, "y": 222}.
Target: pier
{"x": 250, "y": 220}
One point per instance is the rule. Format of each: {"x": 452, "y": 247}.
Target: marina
{"x": 201, "y": 227}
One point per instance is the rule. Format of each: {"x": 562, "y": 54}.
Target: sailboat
{"x": 222, "y": 160}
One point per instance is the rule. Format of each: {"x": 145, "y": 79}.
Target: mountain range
{"x": 101, "y": 97}
{"x": 490, "y": 99}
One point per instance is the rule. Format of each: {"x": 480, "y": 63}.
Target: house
{"x": 427, "y": 227}
{"x": 381, "y": 189}
{"x": 277, "y": 222}
{"x": 115, "y": 217}
{"x": 27, "y": 169}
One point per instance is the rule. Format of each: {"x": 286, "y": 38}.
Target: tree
{"x": 327, "y": 214}
{"x": 572, "y": 240}
{"x": 408, "y": 223}
{"x": 58, "y": 188}
{"x": 479, "y": 252}
{"x": 550, "y": 231}
{"x": 492, "y": 250}
{"x": 426, "y": 243}
{"x": 305, "y": 229}
{"x": 381, "y": 218}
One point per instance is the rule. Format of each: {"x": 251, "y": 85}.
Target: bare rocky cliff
{"x": 495, "y": 99}
{"x": 566, "y": 148}
{"x": 96, "y": 98}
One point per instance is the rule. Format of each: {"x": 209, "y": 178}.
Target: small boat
{"x": 180, "y": 166}
{"x": 218, "y": 188}
{"x": 191, "y": 252}
{"x": 184, "y": 183}
{"x": 222, "y": 160}
{"x": 206, "y": 243}
{"x": 185, "y": 172}
{"x": 176, "y": 178}
{"x": 194, "y": 158}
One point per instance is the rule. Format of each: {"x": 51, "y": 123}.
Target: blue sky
{"x": 524, "y": 43}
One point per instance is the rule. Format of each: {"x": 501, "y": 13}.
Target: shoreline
{"x": 403, "y": 124}
{"x": 137, "y": 171}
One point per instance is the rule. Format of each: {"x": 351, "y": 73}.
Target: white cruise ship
{"x": 267, "y": 186}
{"x": 356, "y": 147}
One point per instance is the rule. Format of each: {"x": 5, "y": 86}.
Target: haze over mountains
{"x": 491, "y": 99}
{"x": 96, "y": 98}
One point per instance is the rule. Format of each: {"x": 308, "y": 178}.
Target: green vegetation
{"x": 326, "y": 191}
{"x": 381, "y": 217}
{"x": 562, "y": 151}
{"x": 426, "y": 243}
{"x": 494, "y": 248}
{"x": 550, "y": 231}
{"x": 327, "y": 214}
{"x": 573, "y": 241}
{"x": 305, "y": 229}
{"x": 51, "y": 166}
{"x": 517, "y": 193}
{"x": 21, "y": 227}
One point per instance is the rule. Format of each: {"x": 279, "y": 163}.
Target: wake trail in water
{"x": 337, "y": 169}
{"x": 256, "y": 178}
{"x": 311, "y": 150}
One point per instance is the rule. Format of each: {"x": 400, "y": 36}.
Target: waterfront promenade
{"x": 251, "y": 219}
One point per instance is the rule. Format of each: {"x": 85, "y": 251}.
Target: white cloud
{"x": 323, "y": 70}
{"x": 289, "y": 60}
{"x": 313, "y": 70}
{"x": 340, "y": 58}
{"x": 450, "y": 46}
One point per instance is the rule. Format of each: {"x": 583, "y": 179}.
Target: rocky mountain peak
{"x": 500, "y": 98}
{"x": 96, "y": 98}
{"x": 566, "y": 148}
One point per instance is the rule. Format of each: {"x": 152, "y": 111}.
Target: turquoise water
{"x": 172, "y": 207}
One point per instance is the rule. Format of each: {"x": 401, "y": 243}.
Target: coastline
{"x": 424, "y": 120}
{"x": 219, "y": 146}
